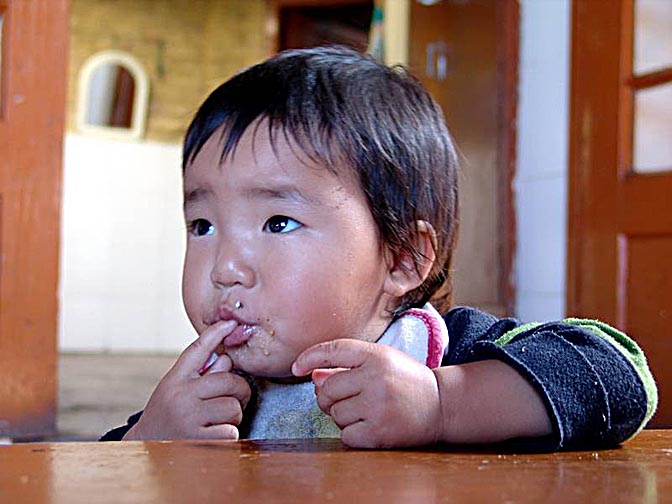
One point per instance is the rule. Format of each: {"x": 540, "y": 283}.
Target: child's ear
{"x": 404, "y": 274}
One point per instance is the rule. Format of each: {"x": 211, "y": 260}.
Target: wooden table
{"x": 326, "y": 471}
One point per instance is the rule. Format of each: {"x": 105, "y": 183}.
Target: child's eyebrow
{"x": 279, "y": 193}
{"x": 197, "y": 194}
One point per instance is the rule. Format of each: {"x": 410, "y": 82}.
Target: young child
{"x": 320, "y": 196}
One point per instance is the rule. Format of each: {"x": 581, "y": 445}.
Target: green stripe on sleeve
{"x": 632, "y": 352}
{"x": 506, "y": 338}
{"x": 623, "y": 343}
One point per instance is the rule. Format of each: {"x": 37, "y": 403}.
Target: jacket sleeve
{"x": 118, "y": 433}
{"x": 593, "y": 379}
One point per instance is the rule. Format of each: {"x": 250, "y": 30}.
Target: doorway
{"x": 305, "y": 25}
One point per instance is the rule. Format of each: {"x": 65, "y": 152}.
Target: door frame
{"x": 612, "y": 209}
{"x": 34, "y": 61}
{"x": 509, "y": 61}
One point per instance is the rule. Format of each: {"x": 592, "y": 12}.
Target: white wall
{"x": 541, "y": 179}
{"x": 122, "y": 244}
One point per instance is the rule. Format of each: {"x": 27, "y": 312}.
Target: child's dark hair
{"x": 342, "y": 106}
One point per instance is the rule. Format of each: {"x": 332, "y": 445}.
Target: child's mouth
{"x": 240, "y": 335}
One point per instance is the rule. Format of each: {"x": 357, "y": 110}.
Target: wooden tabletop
{"x": 326, "y": 471}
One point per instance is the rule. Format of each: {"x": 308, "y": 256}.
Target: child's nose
{"x": 229, "y": 271}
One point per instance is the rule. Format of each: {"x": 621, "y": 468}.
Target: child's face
{"x": 290, "y": 243}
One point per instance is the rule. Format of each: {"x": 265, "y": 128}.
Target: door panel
{"x": 34, "y": 45}
{"x": 465, "y": 53}
{"x": 620, "y": 226}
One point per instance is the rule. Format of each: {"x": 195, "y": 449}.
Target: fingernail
{"x": 211, "y": 360}
{"x": 225, "y": 326}
{"x": 318, "y": 378}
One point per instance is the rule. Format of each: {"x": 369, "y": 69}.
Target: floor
{"x": 99, "y": 391}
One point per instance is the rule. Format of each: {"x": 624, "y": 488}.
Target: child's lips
{"x": 240, "y": 335}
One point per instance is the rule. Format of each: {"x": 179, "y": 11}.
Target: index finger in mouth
{"x": 199, "y": 352}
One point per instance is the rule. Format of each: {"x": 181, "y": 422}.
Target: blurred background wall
{"x": 122, "y": 226}
{"x": 542, "y": 159}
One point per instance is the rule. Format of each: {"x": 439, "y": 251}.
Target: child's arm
{"x": 488, "y": 402}
{"x": 190, "y": 404}
{"x": 594, "y": 381}
{"x": 384, "y": 398}
{"x": 553, "y": 386}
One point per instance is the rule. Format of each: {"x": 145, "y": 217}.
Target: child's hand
{"x": 186, "y": 405}
{"x": 383, "y": 398}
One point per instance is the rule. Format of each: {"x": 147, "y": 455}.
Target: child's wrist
{"x": 449, "y": 379}
{"x": 442, "y": 414}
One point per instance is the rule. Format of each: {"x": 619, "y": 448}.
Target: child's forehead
{"x": 265, "y": 162}
{"x": 273, "y": 149}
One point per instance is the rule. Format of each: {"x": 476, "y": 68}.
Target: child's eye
{"x": 201, "y": 227}
{"x": 281, "y": 224}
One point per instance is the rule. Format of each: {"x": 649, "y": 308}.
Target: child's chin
{"x": 262, "y": 369}
{"x": 279, "y": 378}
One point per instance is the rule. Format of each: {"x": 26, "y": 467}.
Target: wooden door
{"x": 466, "y": 54}
{"x": 32, "y": 107}
{"x": 309, "y": 23}
{"x": 620, "y": 226}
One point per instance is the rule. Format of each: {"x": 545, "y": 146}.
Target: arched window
{"x": 113, "y": 96}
